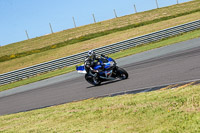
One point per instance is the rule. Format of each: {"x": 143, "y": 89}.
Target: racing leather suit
{"x": 90, "y": 63}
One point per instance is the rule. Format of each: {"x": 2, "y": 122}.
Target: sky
{"x": 17, "y": 16}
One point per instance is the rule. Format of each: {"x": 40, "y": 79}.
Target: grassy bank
{"x": 134, "y": 50}
{"x": 93, "y": 43}
{"x": 90, "y": 36}
{"x": 98, "y": 29}
{"x": 176, "y": 110}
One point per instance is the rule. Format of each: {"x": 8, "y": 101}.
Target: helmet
{"x": 91, "y": 54}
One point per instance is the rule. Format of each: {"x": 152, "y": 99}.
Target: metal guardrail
{"x": 112, "y": 48}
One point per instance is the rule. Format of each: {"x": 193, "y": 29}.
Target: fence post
{"x": 157, "y": 3}
{"x": 94, "y": 18}
{"x": 115, "y": 13}
{"x": 51, "y": 27}
{"x": 74, "y": 22}
{"x": 135, "y": 8}
{"x": 27, "y": 34}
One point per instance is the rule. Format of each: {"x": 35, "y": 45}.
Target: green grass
{"x": 134, "y": 50}
{"x": 169, "y": 111}
{"x": 91, "y": 36}
{"x": 37, "y": 78}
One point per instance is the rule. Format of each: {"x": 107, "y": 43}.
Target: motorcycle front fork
{"x": 94, "y": 75}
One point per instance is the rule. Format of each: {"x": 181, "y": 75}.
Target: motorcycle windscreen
{"x": 110, "y": 59}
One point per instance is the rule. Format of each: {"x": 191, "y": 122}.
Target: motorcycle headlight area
{"x": 111, "y": 63}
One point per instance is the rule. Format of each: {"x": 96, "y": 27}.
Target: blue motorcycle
{"x": 104, "y": 70}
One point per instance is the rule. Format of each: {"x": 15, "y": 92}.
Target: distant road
{"x": 175, "y": 63}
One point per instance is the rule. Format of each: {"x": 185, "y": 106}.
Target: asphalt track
{"x": 173, "y": 66}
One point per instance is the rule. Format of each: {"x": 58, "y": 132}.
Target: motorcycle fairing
{"x": 106, "y": 65}
{"x": 81, "y": 69}
{"x": 97, "y": 67}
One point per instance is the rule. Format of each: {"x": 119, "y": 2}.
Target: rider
{"x": 91, "y": 60}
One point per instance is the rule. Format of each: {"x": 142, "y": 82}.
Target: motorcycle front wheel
{"x": 93, "y": 80}
{"x": 122, "y": 74}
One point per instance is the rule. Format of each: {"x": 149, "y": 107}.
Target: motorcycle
{"x": 105, "y": 69}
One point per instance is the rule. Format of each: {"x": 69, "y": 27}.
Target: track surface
{"x": 166, "y": 69}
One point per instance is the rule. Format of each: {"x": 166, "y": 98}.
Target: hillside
{"x": 80, "y": 39}
{"x": 51, "y": 39}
